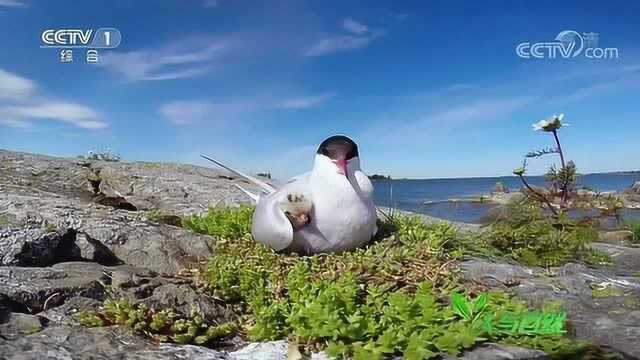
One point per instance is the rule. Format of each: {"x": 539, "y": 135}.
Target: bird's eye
{"x": 287, "y": 213}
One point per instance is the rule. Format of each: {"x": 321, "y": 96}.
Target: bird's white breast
{"x": 343, "y": 215}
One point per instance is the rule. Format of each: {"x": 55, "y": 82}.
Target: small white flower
{"x": 551, "y": 124}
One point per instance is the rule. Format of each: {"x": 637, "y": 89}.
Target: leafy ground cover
{"x": 400, "y": 295}
{"x": 164, "y": 325}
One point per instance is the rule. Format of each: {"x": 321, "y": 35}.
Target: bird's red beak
{"x": 342, "y": 166}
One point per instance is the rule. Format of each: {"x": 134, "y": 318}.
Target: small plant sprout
{"x": 469, "y": 311}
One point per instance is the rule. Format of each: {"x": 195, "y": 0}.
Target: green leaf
{"x": 481, "y": 303}
{"x": 461, "y": 306}
{"x": 202, "y": 339}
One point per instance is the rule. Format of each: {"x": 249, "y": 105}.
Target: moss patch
{"x": 164, "y": 325}
{"x": 607, "y": 291}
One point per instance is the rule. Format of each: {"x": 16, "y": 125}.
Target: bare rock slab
{"x": 27, "y": 290}
{"x": 105, "y": 343}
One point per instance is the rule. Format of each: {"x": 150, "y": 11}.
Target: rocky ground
{"x": 73, "y": 231}
{"x": 501, "y": 195}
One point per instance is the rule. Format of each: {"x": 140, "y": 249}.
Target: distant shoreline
{"x": 382, "y": 177}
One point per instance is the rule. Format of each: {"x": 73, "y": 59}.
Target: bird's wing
{"x": 254, "y": 197}
{"x": 263, "y": 185}
{"x": 271, "y": 226}
{"x": 364, "y": 185}
{"x": 299, "y": 177}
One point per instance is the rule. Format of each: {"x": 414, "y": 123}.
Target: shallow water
{"x": 430, "y": 196}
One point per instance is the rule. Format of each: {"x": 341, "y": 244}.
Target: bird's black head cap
{"x": 337, "y": 147}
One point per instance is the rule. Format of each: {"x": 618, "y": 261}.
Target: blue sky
{"x": 426, "y": 88}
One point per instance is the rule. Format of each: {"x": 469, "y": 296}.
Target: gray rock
{"x": 63, "y": 314}
{"x": 175, "y": 188}
{"x": 610, "y": 320}
{"x": 273, "y": 350}
{"x": 29, "y": 289}
{"x": 29, "y": 246}
{"x": 19, "y": 325}
{"x": 617, "y": 237}
{"x": 48, "y": 212}
{"x": 500, "y": 187}
{"x": 278, "y": 350}
{"x": 5, "y": 308}
{"x": 37, "y": 246}
{"x": 626, "y": 259}
{"x": 142, "y": 286}
{"x": 494, "y": 274}
{"x": 504, "y": 198}
{"x": 184, "y": 298}
{"x": 78, "y": 343}
{"x": 500, "y": 352}
{"x": 635, "y": 188}
{"x": 97, "y": 233}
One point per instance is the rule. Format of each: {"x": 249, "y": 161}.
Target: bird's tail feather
{"x": 263, "y": 185}
{"x": 254, "y": 197}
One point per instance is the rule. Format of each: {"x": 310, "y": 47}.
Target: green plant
{"x": 529, "y": 236}
{"x": 635, "y": 228}
{"x": 164, "y": 325}
{"x": 388, "y": 298}
{"x": 221, "y": 222}
{"x": 471, "y": 312}
{"x": 561, "y": 180}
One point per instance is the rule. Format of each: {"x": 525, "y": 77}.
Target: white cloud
{"x": 622, "y": 84}
{"x": 20, "y": 104}
{"x": 184, "y": 59}
{"x": 17, "y": 124}
{"x": 188, "y": 112}
{"x": 478, "y": 111}
{"x": 15, "y": 87}
{"x": 337, "y": 43}
{"x": 75, "y": 114}
{"x": 222, "y": 111}
{"x": 305, "y": 102}
{"x": 468, "y": 114}
{"x": 12, "y": 3}
{"x": 360, "y": 35}
{"x": 355, "y": 27}
{"x": 178, "y": 74}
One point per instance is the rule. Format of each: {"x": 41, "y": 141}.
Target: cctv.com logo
{"x": 568, "y": 44}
